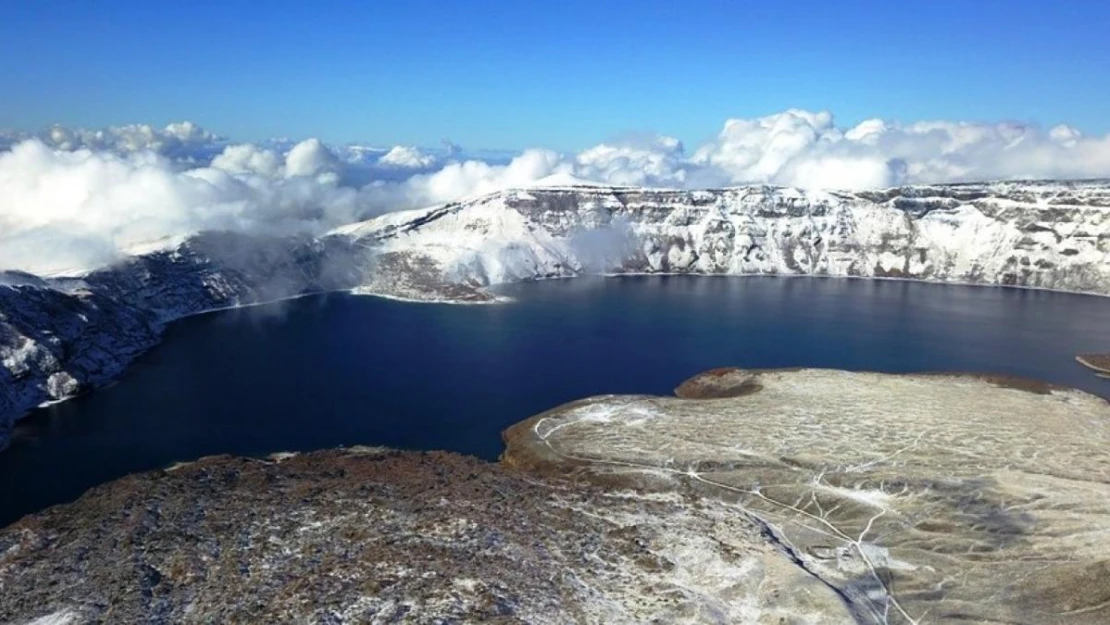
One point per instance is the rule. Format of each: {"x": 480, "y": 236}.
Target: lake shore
{"x": 848, "y": 502}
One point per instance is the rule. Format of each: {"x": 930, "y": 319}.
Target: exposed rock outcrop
{"x": 1049, "y": 235}
{"x": 807, "y": 496}
{"x": 373, "y": 536}
{"x": 923, "y": 498}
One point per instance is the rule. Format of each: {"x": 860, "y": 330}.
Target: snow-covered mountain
{"x": 60, "y": 336}
{"x": 1048, "y": 235}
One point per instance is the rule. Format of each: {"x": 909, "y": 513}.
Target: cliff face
{"x": 1047, "y": 235}
{"x": 60, "y": 336}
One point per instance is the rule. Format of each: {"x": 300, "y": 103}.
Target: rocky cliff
{"x": 60, "y": 336}
{"x": 1046, "y": 235}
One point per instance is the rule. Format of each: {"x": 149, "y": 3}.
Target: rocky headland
{"x": 805, "y": 496}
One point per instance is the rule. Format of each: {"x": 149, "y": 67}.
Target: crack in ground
{"x": 778, "y": 540}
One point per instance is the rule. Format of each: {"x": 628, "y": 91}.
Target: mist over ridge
{"x": 74, "y": 199}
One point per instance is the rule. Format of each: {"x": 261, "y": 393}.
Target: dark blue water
{"x": 345, "y": 370}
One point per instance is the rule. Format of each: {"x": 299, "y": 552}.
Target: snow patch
{"x": 64, "y": 616}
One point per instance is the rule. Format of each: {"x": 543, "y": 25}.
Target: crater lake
{"x": 343, "y": 370}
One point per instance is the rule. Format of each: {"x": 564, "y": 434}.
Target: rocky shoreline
{"x": 793, "y": 496}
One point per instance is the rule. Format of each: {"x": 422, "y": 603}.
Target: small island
{"x": 1099, "y": 363}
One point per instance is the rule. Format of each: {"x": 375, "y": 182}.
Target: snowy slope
{"x": 61, "y": 336}
{"x": 1048, "y": 235}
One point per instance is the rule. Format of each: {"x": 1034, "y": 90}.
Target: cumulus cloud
{"x": 806, "y": 149}
{"x": 76, "y": 198}
{"x": 636, "y": 161}
{"x": 248, "y": 158}
{"x": 469, "y": 178}
{"x": 64, "y": 210}
{"x": 183, "y": 140}
{"x": 311, "y": 158}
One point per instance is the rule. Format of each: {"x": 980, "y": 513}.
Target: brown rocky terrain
{"x": 802, "y": 496}
{"x": 377, "y": 536}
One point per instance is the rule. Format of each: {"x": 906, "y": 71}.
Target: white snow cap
{"x": 408, "y": 157}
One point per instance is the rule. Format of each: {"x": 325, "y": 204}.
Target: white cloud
{"x": 637, "y": 161}
{"x": 311, "y": 158}
{"x": 801, "y": 148}
{"x": 247, "y": 158}
{"x": 468, "y": 178}
{"x": 64, "y": 210}
{"x": 183, "y": 140}
{"x": 78, "y": 198}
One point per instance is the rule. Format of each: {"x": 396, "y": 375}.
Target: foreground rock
{"x": 62, "y": 336}
{"x": 806, "y": 496}
{"x": 921, "y": 498}
{"x": 369, "y": 536}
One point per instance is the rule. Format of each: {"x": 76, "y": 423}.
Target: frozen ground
{"x": 922, "y": 498}
{"x": 801, "y": 497}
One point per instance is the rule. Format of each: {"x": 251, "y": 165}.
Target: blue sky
{"x": 564, "y": 75}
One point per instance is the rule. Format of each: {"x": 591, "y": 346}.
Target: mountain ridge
{"x": 62, "y": 336}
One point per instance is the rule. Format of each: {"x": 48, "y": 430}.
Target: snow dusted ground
{"x": 809, "y": 497}
{"x": 363, "y": 536}
{"x": 65, "y": 334}
{"x": 921, "y": 498}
